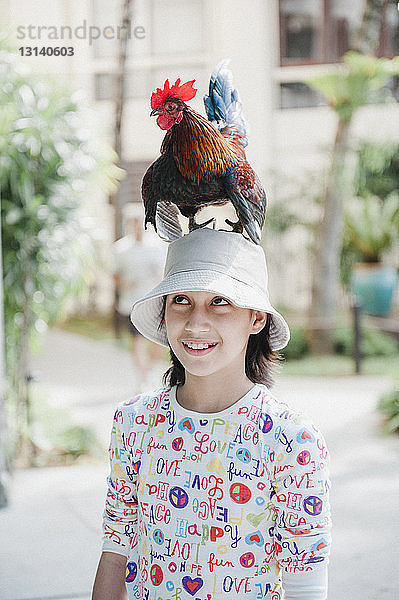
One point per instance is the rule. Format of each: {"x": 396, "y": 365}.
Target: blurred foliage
{"x": 297, "y": 347}
{"x": 372, "y": 217}
{"x": 377, "y": 169}
{"x": 280, "y": 217}
{"x": 50, "y": 157}
{"x": 338, "y": 365}
{"x": 371, "y": 226}
{"x": 350, "y": 86}
{"x": 373, "y": 343}
{"x": 388, "y": 404}
{"x": 94, "y": 326}
{"x": 356, "y": 83}
{"x": 55, "y": 438}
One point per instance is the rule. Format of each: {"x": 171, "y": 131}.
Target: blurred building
{"x": 273, "y": 45}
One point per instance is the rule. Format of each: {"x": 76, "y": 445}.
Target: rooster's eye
{"x": 170, "y": 106}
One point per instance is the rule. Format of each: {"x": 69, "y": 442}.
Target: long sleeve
{"x": 120, "y": 514}
{"x": 300, "y": 495}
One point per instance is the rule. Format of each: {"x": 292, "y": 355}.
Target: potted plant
{"x": 371, "y": 230}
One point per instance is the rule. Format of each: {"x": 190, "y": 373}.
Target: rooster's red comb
{"x": 184, "y": 92}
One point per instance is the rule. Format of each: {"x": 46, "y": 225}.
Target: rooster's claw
{"x": 236, "y": 227}
{"x": 193, "y": 225}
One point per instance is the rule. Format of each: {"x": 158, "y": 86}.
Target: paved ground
{"x": 50, "y": 533}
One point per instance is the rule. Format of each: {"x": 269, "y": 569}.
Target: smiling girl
{"x": 215, "y": 487}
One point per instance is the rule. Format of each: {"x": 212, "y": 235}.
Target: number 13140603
{"x": 46, "y": 51}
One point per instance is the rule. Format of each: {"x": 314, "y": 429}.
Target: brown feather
{"x": 199, "y": 149}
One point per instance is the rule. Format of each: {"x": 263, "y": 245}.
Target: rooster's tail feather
{"x": 223, "y": 103}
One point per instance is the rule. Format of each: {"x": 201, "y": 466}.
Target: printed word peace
{"x": 155, "y": 514}
{"x": 206, "y": 509}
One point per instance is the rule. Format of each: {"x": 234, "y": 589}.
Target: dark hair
{"x": 260, "y": 359}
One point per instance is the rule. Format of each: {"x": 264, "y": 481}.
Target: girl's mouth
{"x": 197, "y": 348}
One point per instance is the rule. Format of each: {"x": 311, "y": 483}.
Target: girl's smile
{"x": 198, "y": 347}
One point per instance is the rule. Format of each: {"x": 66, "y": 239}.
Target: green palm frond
{"x": 354, "y": 83}
{"x": 371, "y": 225}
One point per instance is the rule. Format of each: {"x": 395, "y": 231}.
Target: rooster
{"x": 201, "y": 163}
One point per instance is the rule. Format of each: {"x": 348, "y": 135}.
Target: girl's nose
{"x": 197, "y": 322}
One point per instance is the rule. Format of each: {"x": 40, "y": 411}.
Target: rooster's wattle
{"x": 202, "y": 164}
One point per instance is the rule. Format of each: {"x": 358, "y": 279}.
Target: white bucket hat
{"x": 220, "y": 262}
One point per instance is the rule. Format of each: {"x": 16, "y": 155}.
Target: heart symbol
{"x": 187, "y": 424}
{"x": 136, "y": 466}
{"x": 255, "y": 538}
{"x": 303, "y": 436}
{"x": 192, "y": 585}
{"x": 321, "y": 545}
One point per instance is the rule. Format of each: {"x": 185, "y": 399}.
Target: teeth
{"x": 197, "y": 346}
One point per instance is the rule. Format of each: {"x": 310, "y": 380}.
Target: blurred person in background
{"x": 138, "y": 261}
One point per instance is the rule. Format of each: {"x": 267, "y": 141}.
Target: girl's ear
{"x": 258, "y": 321}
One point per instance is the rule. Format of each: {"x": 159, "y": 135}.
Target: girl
{"x": 215, "y": 486}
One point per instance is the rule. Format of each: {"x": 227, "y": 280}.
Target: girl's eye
{"x": 180, "y": 300}
{"x": 219, "y": 301}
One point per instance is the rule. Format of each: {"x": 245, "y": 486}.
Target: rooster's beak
{"x": 156, "y": 111}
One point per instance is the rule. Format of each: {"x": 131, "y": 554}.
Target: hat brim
{"x": 146, "y": 312}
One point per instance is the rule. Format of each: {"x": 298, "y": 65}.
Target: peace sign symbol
{"x": 156, "y": 575}
{"x": 131, "y": 572}
{"x": 240, "y": 493}
{"x": 178, "y": 497}
{"x": 177, "y": 443}
{"x": 158, "y": 536}
{"x": 244, "y": 455}
{"x": 303, "y": 457}
{"x": 265, "y": 423}
{"x": 247, "y": 559}
{"x": 313, "y": 505}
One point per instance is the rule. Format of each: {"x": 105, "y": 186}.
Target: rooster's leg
{"x": 236, "y": 227}
{"x": 192, "y": 224}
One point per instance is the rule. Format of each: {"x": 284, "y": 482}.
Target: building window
{"x": 300, "y": 31}
{"x": 320, "y": 31}
{"x": 299, "y": 95}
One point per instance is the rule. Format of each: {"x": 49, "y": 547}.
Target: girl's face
{"x": 208, "y": 333}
